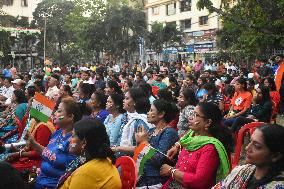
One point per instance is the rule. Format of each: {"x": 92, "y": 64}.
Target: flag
{"x": 41, "y": 108}
{"x": 142, "y": 153}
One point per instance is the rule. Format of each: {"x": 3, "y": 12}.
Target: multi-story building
{"x": 199, "y": 26}
{"x": 21, "y": 8}
{"x": 23, "y": 55}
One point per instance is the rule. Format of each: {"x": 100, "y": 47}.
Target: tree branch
{"x": 211, "y": 8}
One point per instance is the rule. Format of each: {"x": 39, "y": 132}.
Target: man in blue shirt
{"x": 7, "y": 71}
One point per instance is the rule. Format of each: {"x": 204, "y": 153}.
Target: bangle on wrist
{"x": 20, "y": 153}
{"x": 170, "y": 170}
{"x": 173, "y": 172}
{"x": 177, "y": 144}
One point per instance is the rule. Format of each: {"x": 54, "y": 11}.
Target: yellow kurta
{"x": 95, "y": 174}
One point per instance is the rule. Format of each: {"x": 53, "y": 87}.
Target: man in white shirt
{"x": 116, "y": 68}
{"x": 7, "y": 92}
{"x": 207, "y": 66}
{"x": 86, "y": 78}
{"x": 53, "y": 90}
{"x": 67, "y": 80}
{"x": 18, "y": 84}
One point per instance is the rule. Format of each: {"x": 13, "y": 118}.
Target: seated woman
{"x": 30, "y": 92}
{"x": 274, "y": 94}
{"x": 162, "y": 138}
{"x": 91, "y": 143}
{"x": 148, "y": 91}
{"x": 112, "y": 87}
{"x": 260, "y": 110}
{"x": 200, "y": 92}
{"x": 98, "y": 105}
{"x": 251, "y": 86}
{"x": 186, "y": 103}
{"x": 265, "y": 161}
{"x": 167, "y": 95}
{"x": 228, "y": 95}
{"x": 241, "y": 102}
{"x": 85, "y": 91}
{"x": 56, "y": 157}
{"x": 26, "y": 158}
{"x": 113, "y": 121}
{"x": 64, "y": 92}
{"x": 18, "y": 112}
{"x": 213, "y": 96}
{"x": 136, "y": 104}
{"x": 127, "y": 85}
{"x": 204, "y": 150}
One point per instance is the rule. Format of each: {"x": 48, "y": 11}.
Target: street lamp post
{"x": 44, "y": 39}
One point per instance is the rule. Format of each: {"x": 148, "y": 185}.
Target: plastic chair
{"x": 20, "y": 126}
{"x": 128, "y": 174}
{"x": 247, "y": 128}
{"x": 25, "y": 118}
{"x": 274, "y": 112}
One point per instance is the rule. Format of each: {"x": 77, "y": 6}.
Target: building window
{"x": 185, "y": 24}
{"x": 8, "y": 2}
{"x": 25, "y": 19}
{"x": 171, "y": 23}
{"x": 203, "y": 20}
{"x": 155, "y": 10}
{"x": 24, "y": 3}
{"x": 171, "y": 9}
{"x": 185, "y": 5}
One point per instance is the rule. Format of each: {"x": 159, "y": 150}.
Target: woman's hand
{"x": 250, "y": 117}
{"x": 13, "y": 157}
{"x": 30, "y": 139}
{"x": 203, "y": 98}
{"x": 141, "y": 135}
{"x": 227, "y": 116}
{"x": 165, "y": 170}
{"x": 172, "y": 152}
{"x": 13, "y": 148}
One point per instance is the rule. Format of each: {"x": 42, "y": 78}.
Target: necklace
{"x": 153, "y": 134}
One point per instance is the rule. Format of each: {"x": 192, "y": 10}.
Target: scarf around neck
{"x": 128, "y": 129}
{"x": 193, "y": 143}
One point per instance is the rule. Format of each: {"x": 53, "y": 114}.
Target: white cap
{"x": 17, "y": 81}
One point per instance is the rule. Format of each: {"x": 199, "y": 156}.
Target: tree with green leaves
{"x": 85, "y": 16}
{"x": 57, "y": 35}
{"x": 252, "y": 27}
{"x": 161, "y": 37}
{"x": 117, "y": 30}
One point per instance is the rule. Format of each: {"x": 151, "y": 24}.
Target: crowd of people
{"x": 190, "y": 112}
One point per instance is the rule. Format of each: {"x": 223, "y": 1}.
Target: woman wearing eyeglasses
{"x": 203, "y": 158}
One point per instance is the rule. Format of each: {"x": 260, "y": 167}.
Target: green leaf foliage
{"x": 253, "y": 27}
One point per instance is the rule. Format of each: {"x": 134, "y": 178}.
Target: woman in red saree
{"x": 26, "y": 158}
